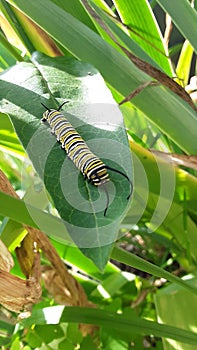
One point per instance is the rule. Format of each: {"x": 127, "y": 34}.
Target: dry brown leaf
{"x": 55, "y": 286}
{"x": 6, "y": 261}
{"x": 177, "y": 159}
{"x": 17, "y": 294}
{"x": 61, "y": 291}
{"x": 69, "y": 289}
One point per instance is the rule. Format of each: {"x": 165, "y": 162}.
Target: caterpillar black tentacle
{"x": 92, "y": 168}
{"x": 123, "y": 174}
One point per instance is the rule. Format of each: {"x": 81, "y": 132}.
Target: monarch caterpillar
{"x": 92, "y": 168}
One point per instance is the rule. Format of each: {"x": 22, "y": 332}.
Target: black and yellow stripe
{"x": 92, "y": 168}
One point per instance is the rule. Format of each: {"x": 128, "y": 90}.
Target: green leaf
{"x": 140, "y": 19}
{"x": 12, "y": 233}
{"x": 177, "y": 307}
{"x": 183, "y": 9}
{"x": 23, "y": 212}
{"x": 72, "y": 254}
{"x": 43, "y": 316}
{"x": 8, "y": 53}
{"x": 76, "y": 9}
{"x": 131, "y": 44}
{"x": 8, "y": 137}
{"x": 87, "y": 343}
{"x": 184, "y": 64}
{"x": 170, "y": 113}
{"x": 97, "y": 119}
{"x": 12, "y": 19}
{"x": 124, "y": 324}
{"x": 47, "y": 333}
{"x": 137, "y": 262}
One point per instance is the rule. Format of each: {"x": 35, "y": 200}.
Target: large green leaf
{"x": 171, "y": 114}
{"x": 98, "y": 120}
{"x": 125, "y": 325}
